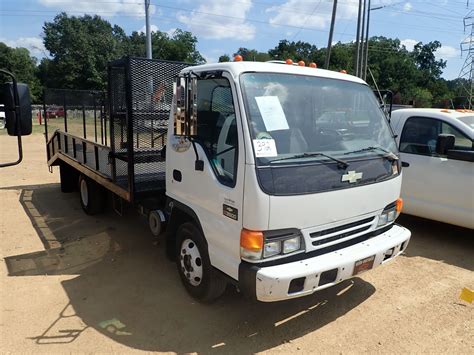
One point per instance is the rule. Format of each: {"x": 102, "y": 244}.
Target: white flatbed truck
{"x": 282, "y": 180}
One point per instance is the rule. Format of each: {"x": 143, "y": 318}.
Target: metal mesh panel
{"x": 118, "y": 122}
{"x": 78, "y": 112}
{"x": 222, "y": 100}
{"x": 152, "y": 84}
{"x": 140, "y": 94}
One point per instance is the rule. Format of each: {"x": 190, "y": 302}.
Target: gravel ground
{"x": 71, "y": 283}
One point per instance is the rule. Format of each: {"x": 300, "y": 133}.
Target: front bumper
{"x": 303, "y": 277}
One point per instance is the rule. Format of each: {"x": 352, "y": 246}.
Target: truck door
{"x": 216, "y": 193}
{"x": 435, "y": 187}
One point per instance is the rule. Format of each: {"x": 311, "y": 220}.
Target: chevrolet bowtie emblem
{"x": 351, "y": 176}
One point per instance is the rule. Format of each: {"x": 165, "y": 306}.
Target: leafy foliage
{"x": 19, "y": 62}
{"x": 414, "y": 77}
{"x": 80, "y": 48}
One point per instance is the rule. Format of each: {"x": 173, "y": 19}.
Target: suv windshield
{"x": 290, "y": 115}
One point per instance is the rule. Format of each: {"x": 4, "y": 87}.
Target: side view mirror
{"x": 17, "y": 105}
{"x": 444, "y": 143}
{"x": 15, "y": 102}
{"x": 185, "y": 115}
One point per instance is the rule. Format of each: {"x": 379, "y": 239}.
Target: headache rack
{"x": 117, "y": 138}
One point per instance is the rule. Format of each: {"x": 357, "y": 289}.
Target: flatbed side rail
{"x": 90, "y": 158}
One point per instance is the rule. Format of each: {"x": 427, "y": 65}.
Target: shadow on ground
{"x": 127, "y": 289}
{"x": 439, "y": 241}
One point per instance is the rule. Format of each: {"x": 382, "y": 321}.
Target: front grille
{"x": 330, "y": 235}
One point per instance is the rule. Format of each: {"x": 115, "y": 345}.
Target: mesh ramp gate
{"x": 140, "y": 96}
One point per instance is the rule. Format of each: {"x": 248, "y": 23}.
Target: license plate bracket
{"x": 363, "y": 265}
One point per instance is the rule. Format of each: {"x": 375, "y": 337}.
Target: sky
{"x": 223, "y": 26}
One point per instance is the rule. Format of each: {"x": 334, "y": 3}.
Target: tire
{"x": 68, "y": 176}
{"x": 92, "y": 196}
{"x": 154, "y": 223}
{"x": 197, "y": 274}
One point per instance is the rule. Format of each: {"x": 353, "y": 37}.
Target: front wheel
{"x": 194, "y": 267}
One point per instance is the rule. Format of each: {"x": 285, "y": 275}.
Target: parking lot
{"x": 75, "y": 283}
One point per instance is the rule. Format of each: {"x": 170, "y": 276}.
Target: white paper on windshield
{"x": 265, "y": 148}
{"x": 272, "y": 113}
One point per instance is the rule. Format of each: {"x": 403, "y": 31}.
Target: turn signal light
{"x": 251, "y": 240}
{"x": 251, "y": 244}
{"x": 399, "y": 205}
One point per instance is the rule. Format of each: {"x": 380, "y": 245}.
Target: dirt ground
{"x": 70, "y": 283}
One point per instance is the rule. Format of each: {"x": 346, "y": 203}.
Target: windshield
{"x": 290, "y": 115}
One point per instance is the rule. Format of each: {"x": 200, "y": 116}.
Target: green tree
{"x": 295, "y": 51}
{"x": 23, "y": 66}
{"x": 180, "y": 46}
{"x": 80, "y": 48}
{"x": 425, "y": 59}
{"x": 252, "y": 55}
{"x": 422, "y": 97}
{"x": 224, "y": 58}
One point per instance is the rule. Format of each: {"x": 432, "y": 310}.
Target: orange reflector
{"x": 343, "y": 71}
{"x": 251, "y": 240}
{"x": 238, "y": 58}
{"x": 313, "y": 65}
{"x": 289, "y": 61}
{"x": 399, "y": 205}
{"x": 301, "y": 63}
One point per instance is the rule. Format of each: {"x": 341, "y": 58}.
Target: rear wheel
{"x": 92, "y": 195}
{"x": 199, "y": 278}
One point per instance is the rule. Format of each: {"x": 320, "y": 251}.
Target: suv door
{"x": 436, "y": 187}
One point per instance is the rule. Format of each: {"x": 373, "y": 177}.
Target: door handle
{"x": 177, "y": 175}
{"x": 405, "y": 164}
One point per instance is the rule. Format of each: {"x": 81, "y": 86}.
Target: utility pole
{"x": 364, "y": 64}
{"x": 331, "y": 31}
{"x": 356, "y": 64}
{"x": 147, "y": 29}
{"x": 361, "y": 46}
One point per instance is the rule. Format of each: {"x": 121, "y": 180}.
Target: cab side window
{"x": 460, "y": 140}
{"x": 419, "y": 136}
{"x": 217, "y": 127}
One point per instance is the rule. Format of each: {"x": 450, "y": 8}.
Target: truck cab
{"x": 437, "y": 147}
{"x": 281, "y": 179}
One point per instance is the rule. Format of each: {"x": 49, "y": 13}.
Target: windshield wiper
{"x": 339, "y": 162}
{"x": 388, "y": 154}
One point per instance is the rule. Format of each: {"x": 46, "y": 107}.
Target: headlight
{"x": 291, "y": 245}
{"x": 390, "y": 213}
{"x": 271, "y": 249}
{"x": 269, "y": 244}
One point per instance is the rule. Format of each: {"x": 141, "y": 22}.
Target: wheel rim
{"x": 154, "y": 223}
{"x": 191, "y": 262}
{"x": 84, "y": 192}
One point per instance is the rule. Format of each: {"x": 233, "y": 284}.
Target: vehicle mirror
{"x": 17, "y": 105}
{"x": 444, "y": 143}
{"x": 185, "y": 116}
{"x": 180, "y": 110}
{"x": 192, "y": 123}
